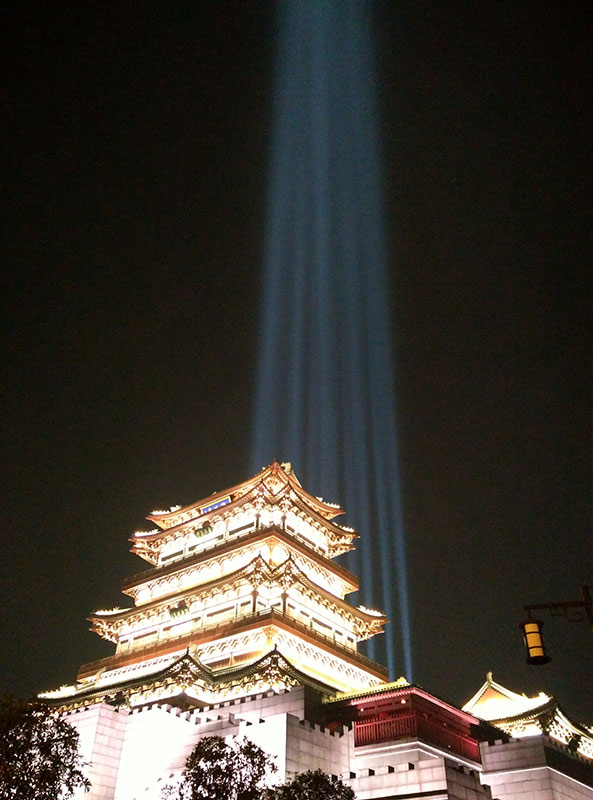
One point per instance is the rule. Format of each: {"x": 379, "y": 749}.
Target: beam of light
{"x": 325, "y": 397}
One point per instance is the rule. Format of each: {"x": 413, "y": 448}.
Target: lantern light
{"x": 534, "y": 643}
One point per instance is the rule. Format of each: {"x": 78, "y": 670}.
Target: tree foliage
{"x": 39, "y": 757}
{"x": 215, "y": 770}
{"x": 312, "y": 785}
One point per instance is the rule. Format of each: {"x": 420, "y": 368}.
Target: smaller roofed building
{"x": 543, "y": 754}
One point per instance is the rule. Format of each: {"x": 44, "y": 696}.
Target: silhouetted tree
{"x": 215, "y": 770}
{"x": 311, "y": 785}
{"x": 39, "y": 757}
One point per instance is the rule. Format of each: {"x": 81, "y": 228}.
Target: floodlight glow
{"x": 325, "y": 393}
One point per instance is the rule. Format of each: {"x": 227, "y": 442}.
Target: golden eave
{"x": 188, "y": 674}
{"x": 238, "y": 627}
{"x": 147, "y": 545}
{"x": 493, "y": 702}
{"x": 273, "y": 533}
{"x": 258, "y": 571}
{"x": 274, "y": 478}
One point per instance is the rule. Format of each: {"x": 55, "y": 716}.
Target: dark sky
{"x": 136, "y": 154}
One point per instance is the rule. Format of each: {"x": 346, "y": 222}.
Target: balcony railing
{"x": 412, "y": 725}
{"x": 234, "y": 540}
{"x": 214, "y": 631}
{"x": 384, "y": 730}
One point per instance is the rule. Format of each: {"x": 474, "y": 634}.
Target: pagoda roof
{"x": 253, "y": 535}
{"x": 514, "y": 713}
{"x": 187, "y": 672}
{"x": 273, "y": 480}
{"x": 260, "y": 619}
{"x": 258, "y": 570}
{"x": 493, "y": 702}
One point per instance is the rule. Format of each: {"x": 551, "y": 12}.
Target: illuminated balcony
{"x": 414, "y": 726}
{"x": 400, "y": 712}
{"x": 214, "y": 632}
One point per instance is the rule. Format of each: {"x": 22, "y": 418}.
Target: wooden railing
{"x": 384, "y": 730}
{"x": 406, "y": 725}
{"x": 194, "y": 558}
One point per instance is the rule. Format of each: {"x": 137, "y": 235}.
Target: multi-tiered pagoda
{"x": 240, "y": 628}
{"x": 243, "y": 594}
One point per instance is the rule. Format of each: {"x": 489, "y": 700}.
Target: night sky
{"x": 136, "y": 154}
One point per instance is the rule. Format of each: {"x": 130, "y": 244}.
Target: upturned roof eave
{"x": 210, "y": 678}
{"x": 242, "y": 572}
{"x": 527, "y": 715}
{"x": 179, "y": 528}
{"x": 177, "y": 566}
{"x": 326, "y": 510}
{"x": 490, "y": 683}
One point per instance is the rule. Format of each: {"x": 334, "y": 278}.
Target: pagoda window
{"x": 306, "y": 535}
{"x": 247, "y": 527}
{"x": 206, "y": 540}
{"x": 177, "y": 630}
{"x": 220, "y": 611}
{"x": 205, "y": 543}
{"x": 171, "y": 556}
